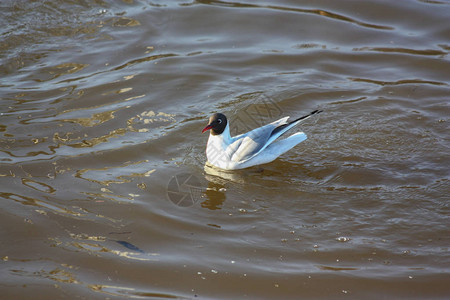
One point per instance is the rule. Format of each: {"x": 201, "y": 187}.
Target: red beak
{"x": 207, "y": 128}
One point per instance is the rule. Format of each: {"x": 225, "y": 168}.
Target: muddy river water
{"x": 104, "y": 193}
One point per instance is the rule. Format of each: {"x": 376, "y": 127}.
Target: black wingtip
{"x": 317, "y": 111}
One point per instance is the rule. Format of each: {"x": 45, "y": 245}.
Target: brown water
{"x": 102, "y": 105}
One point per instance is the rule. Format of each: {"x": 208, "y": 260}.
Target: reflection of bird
{"x": 214, "y": 196}
{"x": 252, "y": 148}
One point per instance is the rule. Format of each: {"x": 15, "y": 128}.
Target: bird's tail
{"x": 279, "y": 147}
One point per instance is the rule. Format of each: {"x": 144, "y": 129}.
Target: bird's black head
{"x": 217, "y": 123}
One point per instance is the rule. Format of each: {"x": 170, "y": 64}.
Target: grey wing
{"x": 253, "y": 142}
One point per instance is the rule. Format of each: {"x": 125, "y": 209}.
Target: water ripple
{"x": 319, "y": 12}
{"x": 430, "y": 52}
{"x": 399, "y": 82}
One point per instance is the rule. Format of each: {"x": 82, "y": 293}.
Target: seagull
{"x": 255, "y": 147}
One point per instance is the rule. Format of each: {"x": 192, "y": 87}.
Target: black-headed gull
{"x": 255, "y": 147}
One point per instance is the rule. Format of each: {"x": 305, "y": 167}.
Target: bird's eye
{"x": 220, "y": 121}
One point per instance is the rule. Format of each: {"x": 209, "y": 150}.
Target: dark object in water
{"x": 130, "y": 246}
